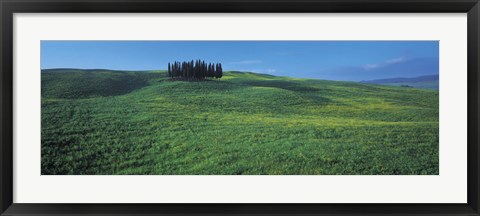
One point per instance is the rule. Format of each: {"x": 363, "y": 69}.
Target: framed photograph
{"x": 158, "y": 107}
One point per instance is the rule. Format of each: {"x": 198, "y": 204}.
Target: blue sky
{"x": 333, "y": 60}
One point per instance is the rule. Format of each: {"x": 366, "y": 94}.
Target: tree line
{"x": 194, "y": 70}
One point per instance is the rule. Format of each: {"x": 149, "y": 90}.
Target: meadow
{"x": 427, "y": 85}
{"x": 102, "y": 122}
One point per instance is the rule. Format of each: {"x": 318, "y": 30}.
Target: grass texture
{"x": 113, "y": 122}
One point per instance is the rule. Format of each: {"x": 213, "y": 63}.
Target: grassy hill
{"x": 425, "y": 85}
{"x": 426, "y": 82}
{"x": 115, "y": 122}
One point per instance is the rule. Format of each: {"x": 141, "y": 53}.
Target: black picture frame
{"x": 9, "y": 7}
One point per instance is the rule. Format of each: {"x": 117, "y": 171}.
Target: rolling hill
{"x": 427, "y": 82}
{"x": 127, "y": 122}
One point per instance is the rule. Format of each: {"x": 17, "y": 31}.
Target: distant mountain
{"x": 407, "y": 68}
{"x": 403, "y": 79}
{"x": 428, "y": 82}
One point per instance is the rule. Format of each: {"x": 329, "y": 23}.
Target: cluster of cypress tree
{"x": 194, "y": 70}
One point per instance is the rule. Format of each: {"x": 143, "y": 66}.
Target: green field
{"x": 426, "y": 85}
{"x": 112, "y": 122}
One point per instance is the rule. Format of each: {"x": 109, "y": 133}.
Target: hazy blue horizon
{"x": 331, "y": 60}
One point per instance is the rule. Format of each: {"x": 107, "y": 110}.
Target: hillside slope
{"x": 245, "y": 123}
{"x": 426, "y": 82}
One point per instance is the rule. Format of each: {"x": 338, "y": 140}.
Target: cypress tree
{"x": 169, "y": 73}
{"x": 218, "y": 71}
{"x": 194, "y": 70}
{"x": 221, "y": 70}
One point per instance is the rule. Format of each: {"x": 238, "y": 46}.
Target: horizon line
{"x": 398, "y": 77}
